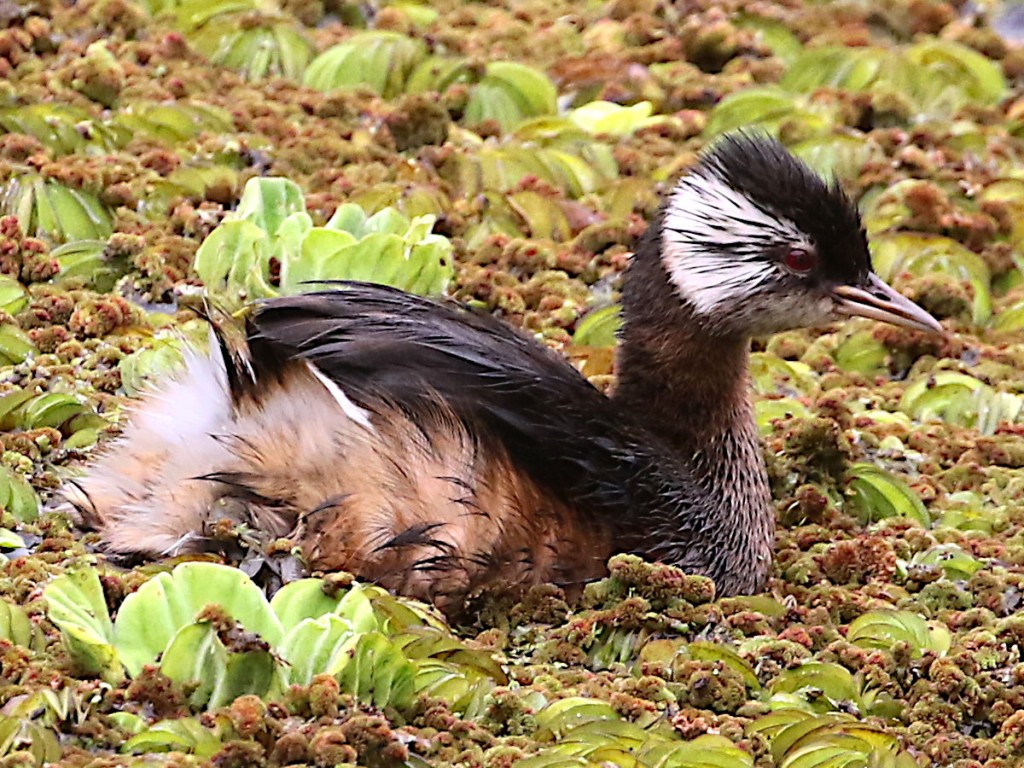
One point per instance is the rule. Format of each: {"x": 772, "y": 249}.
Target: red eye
{"x": 800, "y": 260}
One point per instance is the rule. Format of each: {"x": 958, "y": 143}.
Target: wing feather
{"x": 383, "y": 345}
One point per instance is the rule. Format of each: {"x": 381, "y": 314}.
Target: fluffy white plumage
{"x": 715, "y": 240}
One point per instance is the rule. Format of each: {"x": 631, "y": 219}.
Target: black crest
{"x": 780, "y": 184}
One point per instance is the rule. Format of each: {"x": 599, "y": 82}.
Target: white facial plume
{"x": 716, "y": 242}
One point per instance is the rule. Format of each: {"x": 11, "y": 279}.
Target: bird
{"x": 437, "y": 451}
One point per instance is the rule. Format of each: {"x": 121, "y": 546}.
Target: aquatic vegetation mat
{"x": 155, "y": 154}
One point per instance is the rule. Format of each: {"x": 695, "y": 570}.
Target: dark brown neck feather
{"x": 691, "y": 389}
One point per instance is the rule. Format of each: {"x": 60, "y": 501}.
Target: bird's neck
{"x": 684, "y": 382}
{"x": 691, "y": 388}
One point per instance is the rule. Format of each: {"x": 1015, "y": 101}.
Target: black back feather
{"x": 383, "y": 345}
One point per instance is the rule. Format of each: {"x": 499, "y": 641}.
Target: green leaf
{"x": 923, "y": 254}
{"x": 389, "y": 222}
{"x": 835, "y": 683}
{"x": 764, "y": 107}
{"x": 766, "y": 412}
{"x": 705, "y": 651}
{"x": 861, "y": 352}
{"x": 947, "y": 395}
{"x": 317, "y": 646}
{"x": 954, "y": 561}
{"x": 605, "y": 117}
{"x": 273, "y": 49}
{"x": 17, "y": 496}
{"x": 876, "y": 494}
{"x": 146, "y": 367}
{"x": 149, "y": 618}
{"x": 234, "y": 261}
{"x": 358, "y": 607}
{"x": 349, "y": 218}
{"x": 182, "y": 735}
{"x": 15, "y": 345}
{"x": 774, "y": 376}
{"x": 599, "y": 328}
{"x": 75, "y": 604}
{"x": 84, "y": 263}
{"x": 951, "y": 65}
{"x": 268, "y": 202}
{"x": 438, "y": 73}
{"x": 13, "y": 296}
{"x": 49, "y": 410}
{"x": 380, "y": 60}
{"x": 195, "y": 656}
{"x": 15, "y": 626}
{"x": 21, "y": 737}
{"x": 509, "y": 93}
{"x": 883, "y": 629}
{"x": 562, "y": 716}
{"x": 54, "y": 212}
{"x": 271, "y": 224}
{"x": 375, "y": 670}
{"x": 302, "y": 599}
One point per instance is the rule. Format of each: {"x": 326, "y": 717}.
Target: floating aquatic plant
{"x": 605, "y": 117}
{"x": 826, "y": 688}
{"x": 574, "y": 165}
{"x": 184, "y": 734}
{"x": 17, "y": 496}
{"x": 87, "y": 264}
{"x": 936, "y": 76}
{"x": 146, "y": 367}
{"x": 508, "y": 93}
{"x": 958, "y": 398}
{"x": 875, "y": 494}
{"x": 768, "y": 108}
{"x": 861, "y": 352}
{"x": 61, "y": 128}
{"x": 15, "y": 626}
{"x": 800, "y": 739}
{"x": 271, "y": 229}
{"x": 883, "y": 629}
{"x": 13, "y": 296}
{"x": 772, "y": 375}
{"x": 277, "y": 47}
{"x": 921, "y": 254}
{"x": 53, "y": 211}
{"x": 99, "y": 96}
{"x": 15, "y": 345}
{"x": 171, "y": 123}
{"x": 599, "y": 328}
{"x": 20, "y": 737}
{"x": 954, "y": 562}
{"x": 380, "y": 648}
{"x": 379, "y": 60}
{"x": 590, "y": 733}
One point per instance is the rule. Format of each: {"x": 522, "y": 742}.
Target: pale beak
{"x": 880, "y": 302}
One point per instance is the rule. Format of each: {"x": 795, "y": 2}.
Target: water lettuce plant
{"x": 54, "y": 212}
{"x": 875, "y": 494}
{"x": 379, "y": 60}
{"x": 382, "y": 649}
{"x": 614, "y": 119}
{"x": 268, "y": 247}
{"x": 927, "y": 80}
{"x": 390, "y": 63}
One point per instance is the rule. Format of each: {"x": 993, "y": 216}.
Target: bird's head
{"x": 755, "y": 242}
